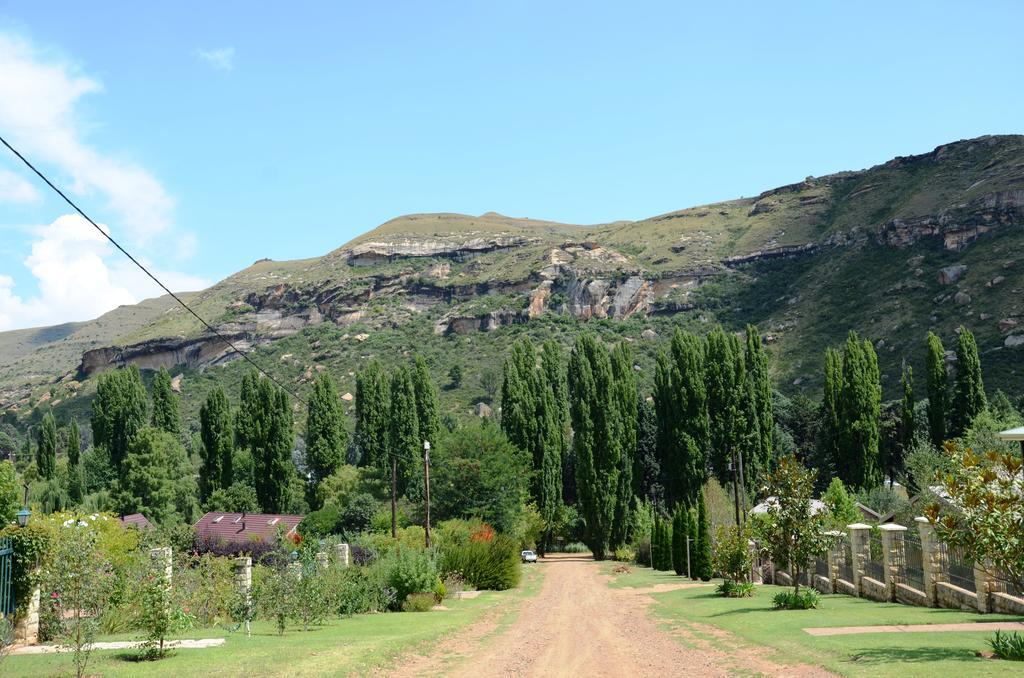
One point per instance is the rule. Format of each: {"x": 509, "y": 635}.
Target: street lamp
{"x": 24, "y": 513}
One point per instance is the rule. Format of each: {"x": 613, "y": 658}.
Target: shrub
{"x": 734, "y": 589}
{"x": 161, "y": 615}
{"x": 1008, "y": 646}
{"x": 806, "y": 599}
{"x": 408, "y": 570}
{"x": 576, "y": 547}
{"x": 321, "y": 523}
{"x": 206, "y": 586}
{"x": 485, "y": 565}
{"x": 732, "y": 552}
{"x": 418, "y": 602}
{"x": 358, "y": 589}
{"x": 625, "y": 554}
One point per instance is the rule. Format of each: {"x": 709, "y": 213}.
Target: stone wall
{"x": 1004, "y": 603}
{"x": 874, "y": 589}
{"x": 843, "y": 586}
{"x": 910, "y": 596}
{"x": 823, "y": 584}
{"x": 953, "y": 597}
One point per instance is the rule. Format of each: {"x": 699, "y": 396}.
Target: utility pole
{"x": 735, "y": 489}
{"x": 743, "y": 488}
{"x": 426, "y": 486}
{"x": 394, "y": 493}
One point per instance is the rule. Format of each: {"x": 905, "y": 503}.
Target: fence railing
{"x": 960, "y": 567}
{"x": 821, "y": 567}
{"x": 846, "y": 561}
{"x": 913, "y": 561}
{"x": 873, "y": 567}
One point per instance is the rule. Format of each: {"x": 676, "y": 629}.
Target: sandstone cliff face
{"x": 959, "y": 226}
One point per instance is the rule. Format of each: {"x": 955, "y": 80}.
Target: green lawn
{"x": 910, "y": 654}
{"x": 340, "y": 647}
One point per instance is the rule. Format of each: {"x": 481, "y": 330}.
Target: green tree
{"x": 680, "y": 399}
{"x": 828, "y": 445}
{"x": 552, "y": 365}
{"x": 455, "y": 376}
{"x": 908, "y": 429}
{"x": 725, "y": 377}
{"x": 680, "y": 532}
{"x": 426, "y": 402}
{"x": 624, "y": 399}
{"x": 118, "y": 412}
{"x": 10, "y": 501}
{"x": 74, "y": 443}
{"x": 646, "y": 469}
{"x": 596, "y": 442}
{"x": 326, "y": 436}
{"x": 217, "y": 433}
{"x": 46, "y": 447}
{"x": 761, "y": 411}
{"x": 264, "y": 427}
{"x": 371, "y": 433}
{"x": 938, "y": 386}
{"x": 860, "y": 400}
{"x": 842, "y": 508}
{"x": 968, "y": 390}
{"x": 404, "y": 433}
{"x": 702, "y": 563}
{"x": 157, "y": 478}
{"x": 166, "y": 413}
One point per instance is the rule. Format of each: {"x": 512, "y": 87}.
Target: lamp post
{"x": 24, "y": 513}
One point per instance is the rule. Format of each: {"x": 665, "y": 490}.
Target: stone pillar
{"x": 343, "y": 554}
{"x": 933, "y": 560}
{"x": 835, "y": 557}
{"x": 985, "y": 584}
{"x": 322, "y": 559}
{"x": 893, "y": 554}
{"x": 242, "y": 568}
{"x": 26, "y": 629}
{"x": 161, "y": 560}
{"x": 756, "y": 577}
{"x": 860, "y": 549}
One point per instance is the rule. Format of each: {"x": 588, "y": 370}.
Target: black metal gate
{"x": 6, "y": 569}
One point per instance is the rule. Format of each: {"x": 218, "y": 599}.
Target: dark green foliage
{"x": 731, "y": 588}
{"x": 908, "y": 430}
{"x": 403, "y": 432}
{"x": 238, "y": 498}
{"x": 372, "y": 404}
{"x": 74, "y": 443}
{"x": 807, "y": 599}
{"x": 552, "y": 365}
{"x": 46, "y": 447}
{"x": 1008, "y": 646}
{"x": 760, "y": 411}
{"x": 408, "y": 570}
{"x": 680, "y": 532}
{"x": 486, "y": 565}
{"x": 857, "y": 462}
{"x": 725, "y": 378}
{"x": 831, "y": 403}
{"x": 218, "y": 436}
{"x": 969, "y": 390}
{"x": 156, "y": 478}
{"x": 118, "y": 412}
{"x": 624, "y": 400}
{"x": 596, "y": 439}
{"x": 938, "y": 387}
{"x": 661, "y": 546}
{"x": 646, "y": 469}
{"x": 426, "y": 401}
{"x": 166, "y": 413}
{"x": 326, "y": 437}
{"x": 455, "y": 376}
{"x": 477, "y": 473}
{"x": 680, "y": 399}
{"x": 264, "y": 427}
{"x": 700, "y": 555}
{"x": 320, "y": 523}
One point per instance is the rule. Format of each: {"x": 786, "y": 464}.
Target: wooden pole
{"x": 426, "y": 487}
{"x": 394, "y": 496}
{"x": 743, "y": 488}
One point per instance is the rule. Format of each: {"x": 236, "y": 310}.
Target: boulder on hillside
{"x": 962, "y": 298}
{"x": 1007, "y": 323}
{"x": 950, "y": 274}
{"x": 1014, "y": 340}
{"x": 483, "y": 410}
{"x": 649, "y": 334}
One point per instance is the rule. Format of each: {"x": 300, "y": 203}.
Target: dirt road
{"x": 577, "y": 625}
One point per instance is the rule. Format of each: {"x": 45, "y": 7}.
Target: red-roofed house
{"x": 136, "y": 520}
{"x": 218, "y": 530}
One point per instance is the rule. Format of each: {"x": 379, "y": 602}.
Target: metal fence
{"x": 873, "y": 568}
{"x": 960, "y": 567}
{"x": 846, "y": 561}
{"x": 913, "y": 564}
{"x": 821, "y": 567}
{"x": 6, "y": 570}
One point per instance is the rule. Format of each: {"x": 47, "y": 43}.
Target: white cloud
{"x": 38, "y": 95}
{"x": 14, "y": 189}
{"x": 80, "y": 276}
{"x": 222, "y": 59}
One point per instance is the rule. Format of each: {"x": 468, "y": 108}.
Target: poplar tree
{"x": 74, "y": 443}
{"x": 46, "y": 447}
{"x": 679, "y": 535}
{"x": 372, "y": 407}
{"x": 118, "y": 411}
{"x": 646, "y": 469}
{"x": 624, "y": 401}
{"x": 404, "y": 441}
{"x": 969, "y": 390}
{"x": 680, "y": 400}
{"x": 519, "y": 394}
{"x": 761, "y": 411}
{"x": 907, "y": 426}
{"x": 552, "y": 366}
{"x": 166, "y": 412}
{"x": 426, "y": 402}
{"x": 264, "y": 427}
{"x": 326, "y": 436}
{"x": 598, "y": 448}
{"x": 828, "y": 444}
{"x": 702, "y": 565}
{"x": 725, "y": 377}
{"x": 860, "y": 402}
{"x": 656, "y": 557}
{"x": 76, "y": 479}
{"x": 938, "y": 398}
{"x": 218, "y": 436}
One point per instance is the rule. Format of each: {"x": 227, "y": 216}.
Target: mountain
{"x": 923, "y": 242}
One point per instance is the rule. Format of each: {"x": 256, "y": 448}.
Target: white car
{"x": 529, "y": 556}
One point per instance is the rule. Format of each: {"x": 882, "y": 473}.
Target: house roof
{"x": 817, "y": 506}
{"x": 136, "y": 520}
{"x": 233, "y": 527}
{"x": 1012, "y": 434}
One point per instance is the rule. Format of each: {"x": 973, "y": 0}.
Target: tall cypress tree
{"x": 46, "y": 447}
{"x": 218, "y": 436}
{"x": 118, "y": 411}
{"x": 860, "y": 401}
{"x": 703, "y": 568}
{"x": 404, "y": 431}
{"x": 679, "y": 534}
{"x": 553, "y": 369}
{"x": 326, "y": 436}
{"x": 372, "y": 407}
{"x": 597, "y": 445}
{"x": 624, "y": 401}
{"x": 646, "y": 469}
{"x": 264, "y": 427}
{"x": 758, "y": 461}
{"x": 74, "y": 443}
{"x": 969, "y": 390}
{"x": 166, "y": 412}
{"x": 656, "y": 557}
{"x": 938, "y": 397}
{"x": 828, "y": 444}
{"x": 519, "y": 394}
{"x": 725, "y": 378}
{"x": 907, "y": 427}
{"x": 681, "y": 405}
{"x": 426, "y": 401}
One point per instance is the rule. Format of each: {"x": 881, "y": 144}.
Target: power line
{"x": 151, "y": 276}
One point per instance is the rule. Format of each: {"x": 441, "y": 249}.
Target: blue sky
{"x": 209, "y": 135}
